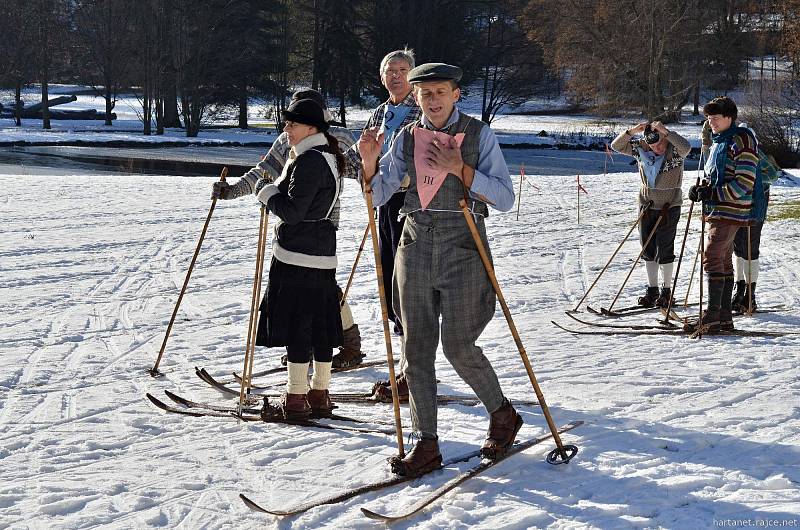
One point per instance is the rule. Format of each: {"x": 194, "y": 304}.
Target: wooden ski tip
{"x": 163, "y": 406}
{"x": 252, "y": 504}
{"x": 376, "y": 516}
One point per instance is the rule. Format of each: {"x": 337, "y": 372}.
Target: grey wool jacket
{"x": 667, "y": 189}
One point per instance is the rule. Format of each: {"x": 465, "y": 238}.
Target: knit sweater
{"x": 732, "y": 200}
{"x": 667, "y": 188}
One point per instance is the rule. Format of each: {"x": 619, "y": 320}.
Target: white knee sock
{"x": 321, "y": 379}
{"x": 347, "y": 316}
{"x": 652, "y": 273}
{"x": 751, "y": 270}
{"x": 741, "y": 264}
{"x": 298, "y": 378}
{"x": 666, "y": 274}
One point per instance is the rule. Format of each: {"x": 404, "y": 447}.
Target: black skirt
{"x": 300, "y": 308}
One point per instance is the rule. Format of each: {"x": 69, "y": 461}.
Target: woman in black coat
{"x": 300, "y": 309}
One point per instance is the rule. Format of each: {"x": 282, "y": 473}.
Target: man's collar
{"x": 408, "y": 101}
{"x": 450, "y": 121}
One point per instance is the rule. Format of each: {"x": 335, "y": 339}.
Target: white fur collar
{"x": 308, "y": 142}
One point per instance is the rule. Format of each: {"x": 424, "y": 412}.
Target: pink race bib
{"x": 429, "y": 180}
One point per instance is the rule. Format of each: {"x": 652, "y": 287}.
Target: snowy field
{"x": 678, "y": 433}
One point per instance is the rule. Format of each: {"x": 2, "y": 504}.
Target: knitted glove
{"x": 699, "y": 193}
{"x": 220, "y": 190}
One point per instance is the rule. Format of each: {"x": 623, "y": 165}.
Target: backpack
{"x": 767, "y": 172}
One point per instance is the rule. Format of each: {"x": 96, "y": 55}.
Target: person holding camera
{"x": 659, "y": 154}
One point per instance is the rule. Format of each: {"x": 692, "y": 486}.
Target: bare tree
{"x": 511, "y": 66}
{"x": 103, "y": 27}
{"x": 16, "y": 49}
{"x": 626, "y": 53}
{"x": 48, "y": 20}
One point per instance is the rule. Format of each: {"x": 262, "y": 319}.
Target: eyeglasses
{"x": 403, "y": 72}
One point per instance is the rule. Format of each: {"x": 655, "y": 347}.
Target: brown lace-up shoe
{"x": 424, "y": 457}
{"x": 504, "y": 424}
{"x": 320, "y": 402}
{"x": 382, "y": 390}
{"x": 295, "y": 407}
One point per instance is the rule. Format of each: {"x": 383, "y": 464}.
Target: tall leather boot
{"x": 749, "y": 301}
{"x": 710, "y": 321}
{"x": 726, "y": 307}
{"x": 741, "y": 292}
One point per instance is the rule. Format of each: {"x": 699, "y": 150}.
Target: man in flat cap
{"x": 438, "y": 270}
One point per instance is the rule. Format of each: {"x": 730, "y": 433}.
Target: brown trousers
{"x": 718, "y": 257}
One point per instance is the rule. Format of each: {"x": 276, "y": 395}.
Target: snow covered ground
{"x": 679, "y": 433}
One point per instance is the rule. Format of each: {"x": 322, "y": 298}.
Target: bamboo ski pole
{"x": 749, "y": 281}
{"x": 565, "y": 452}
{"x": 638, "y": 220}
{"x": 683, "y": 247}
{"x": 355, "y": 263}
{"x": 258, "y": 298}
{"x": 519, "y": 197}
{"x": 691, "y": 277}
{"x": 154, "y": 370}
{"x": 252, "y": 326}
{"x": 702, "y": 258}
{"x": 649, "y": 237}
{"x": 385, "y": 319}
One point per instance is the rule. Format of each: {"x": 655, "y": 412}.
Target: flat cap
{"x": 435, "y": 72}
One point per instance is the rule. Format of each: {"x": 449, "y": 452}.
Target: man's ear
{"x": 458, "y": 93}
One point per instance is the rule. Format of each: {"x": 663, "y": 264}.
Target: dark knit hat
{"x": 435, "y": 72}
{"x": 308, "y": 112}
{"x": 313, "y": 95}
{"x": 651, "y": 136}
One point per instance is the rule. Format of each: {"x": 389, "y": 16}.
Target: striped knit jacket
{"x": 667, "y": 189}
{"x": 732, "y": 198}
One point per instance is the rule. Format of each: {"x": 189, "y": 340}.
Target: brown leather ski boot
{"x": 424, "y": 457}
{"x": 382, "y": 390}
{"x": 504, "y": 424}
{"x": 320, "y": 402}
{"x": 350, "y": 353}
{"x": 295, "y": 407}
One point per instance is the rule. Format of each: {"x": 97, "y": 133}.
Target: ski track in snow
{"x": 679, "y": 433}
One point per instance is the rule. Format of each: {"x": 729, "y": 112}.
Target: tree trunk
{"x": 193, "y": 120}
{"x": 18, "y": 103}
{"x": 315, "y": 50}
{"x": 109, "y": 105}
{"x": 147, "y": 115}
{"x": 696, "y": 110}
{"x": 45, "y": 108}
{"x": 484, "y": 107}
{"x": 171, "y": 117}
{"x": 243, "y": 108}
{"x": 160, "y": 116}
